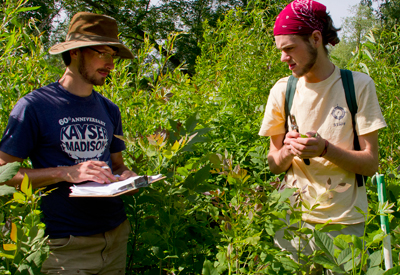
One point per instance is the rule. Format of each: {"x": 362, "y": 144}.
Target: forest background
{"x": 192, "y": 103}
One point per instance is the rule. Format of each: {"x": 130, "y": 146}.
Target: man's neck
{"x": 321, "y": 70}
{"x": 74, "y": 83}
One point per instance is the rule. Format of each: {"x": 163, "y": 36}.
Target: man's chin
{"x": 296, "y": 75}
{"x": 98, "y": 82}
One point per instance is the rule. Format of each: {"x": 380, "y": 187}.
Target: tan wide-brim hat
{"x": 90, "y": 29}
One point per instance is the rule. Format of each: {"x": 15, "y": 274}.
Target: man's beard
{"x": 85, "y": 75}
{"x": 313, "y": 54}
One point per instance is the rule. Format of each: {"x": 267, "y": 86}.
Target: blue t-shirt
{"x": 56, "y": 128}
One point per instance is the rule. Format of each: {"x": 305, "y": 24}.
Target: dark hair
{"x": 66, "y": 58}
{"x": 329, "y": 34}
{"x": 115, "y": 49}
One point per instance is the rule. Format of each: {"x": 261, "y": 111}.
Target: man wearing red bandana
{"x": 324, "y": 164}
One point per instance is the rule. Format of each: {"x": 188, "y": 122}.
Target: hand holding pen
{"x": 91, "y": 170}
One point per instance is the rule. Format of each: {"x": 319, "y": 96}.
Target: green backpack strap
{"x": 348, "y": 85}
{"x": 290, "y": 90}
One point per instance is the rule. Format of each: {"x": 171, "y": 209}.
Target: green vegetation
{"x": 218, "y": 209}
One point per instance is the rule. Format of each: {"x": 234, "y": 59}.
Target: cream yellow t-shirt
{"x": 322, "y": 107}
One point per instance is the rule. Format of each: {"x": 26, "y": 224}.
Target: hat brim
{"x": 123, "y": 51}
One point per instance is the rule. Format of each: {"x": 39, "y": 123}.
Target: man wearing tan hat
{"x": 68, "y": 131}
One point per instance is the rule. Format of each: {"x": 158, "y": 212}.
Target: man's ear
{"x": 74, "y": 53}
{"x": 316, "y": 38}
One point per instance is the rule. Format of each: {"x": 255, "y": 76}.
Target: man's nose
{"x": 110, "y": 64}
{"x": 285, "y": 57}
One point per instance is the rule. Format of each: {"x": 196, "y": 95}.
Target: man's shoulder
{"x": 43, "y": 91}
{"x": 279, "y": 88}
{"x": 282, "y": 81}
{"x": 39, "y": 96}
{"x": 281, "y": 84}
{"x": 106, "y": 101}
{"x": 360, "y": 77}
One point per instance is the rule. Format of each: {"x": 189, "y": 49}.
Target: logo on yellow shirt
{"x": 338, "y": 112}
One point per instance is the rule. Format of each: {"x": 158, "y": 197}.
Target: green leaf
{"x": 202, "y": 131}
{"x": 393, "y": 271}
{"x": 364, "y": 66}
{"x": 342, "y": 241}
{"x": 357, "y": 242}
{"x": 33, "y": 232}
{"x": 286, "y": 193}
{"x": 178, "y": 190}
{"x": 324, "y": 242}
{"x": 306, "y": 204}
{"x": 201, "y": 188}
{"x": 289, "y": 263}
{"x": 8, "y": 256}
{"x": 344, "y": 256}
{"x": 252, "y": 240}
{"x": 183, "y": 171}
{"x": 36, "y": 258}
{"x": 305, "y": 230}
{"x": 324, "y": 261}
{"x": 8, "y": 171}
{"x": 175, "y": 147}
{"x": 39, "y": 234}
{"x": 24, "y": 268}
{"x": 151, "y": 238}
{"x": 349, "y": 265}
{"x": 190, "y": 182}
{"x": 202, "y": 175}
{"x": 11, "y": 40}
{"x": 197, "y": 139}
{"x": 157, "y": 252}
{"x": 368, "y": 54}
{"x": 333, "y": 227}
{"x": 25, "y": 9}
{"x": 174, "y": 124}
{"x": 191, "y": 123}
{"x": 337, "y": 270}
{"x": 214, "y": 160}
{"x": 378, "y": 238}
{"x": 7, "y": 190}
{"x": 19, "y": 197}
{"x": 209, "y": 269}
{"x": 167, "y": 154}
{"x": 375, "y": 271}
{"x": 375, "y": 258}
{"x": 26, "y": 187}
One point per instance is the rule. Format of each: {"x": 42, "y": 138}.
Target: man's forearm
{"x": 38, "y": 177}
{"x": 280, "y": 160}
{"x": 359, "y": 162}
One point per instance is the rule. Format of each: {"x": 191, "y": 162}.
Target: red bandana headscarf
{"x": 301, "y": 17}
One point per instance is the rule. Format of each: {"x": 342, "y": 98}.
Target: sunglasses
{"x": 104, "y": 55}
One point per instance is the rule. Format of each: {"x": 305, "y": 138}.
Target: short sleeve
{"x": 117, "y": 145}
{"x": 21, "y": 133}
{"x": 274, "y": 116}
{"x": 369, "y": 116}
